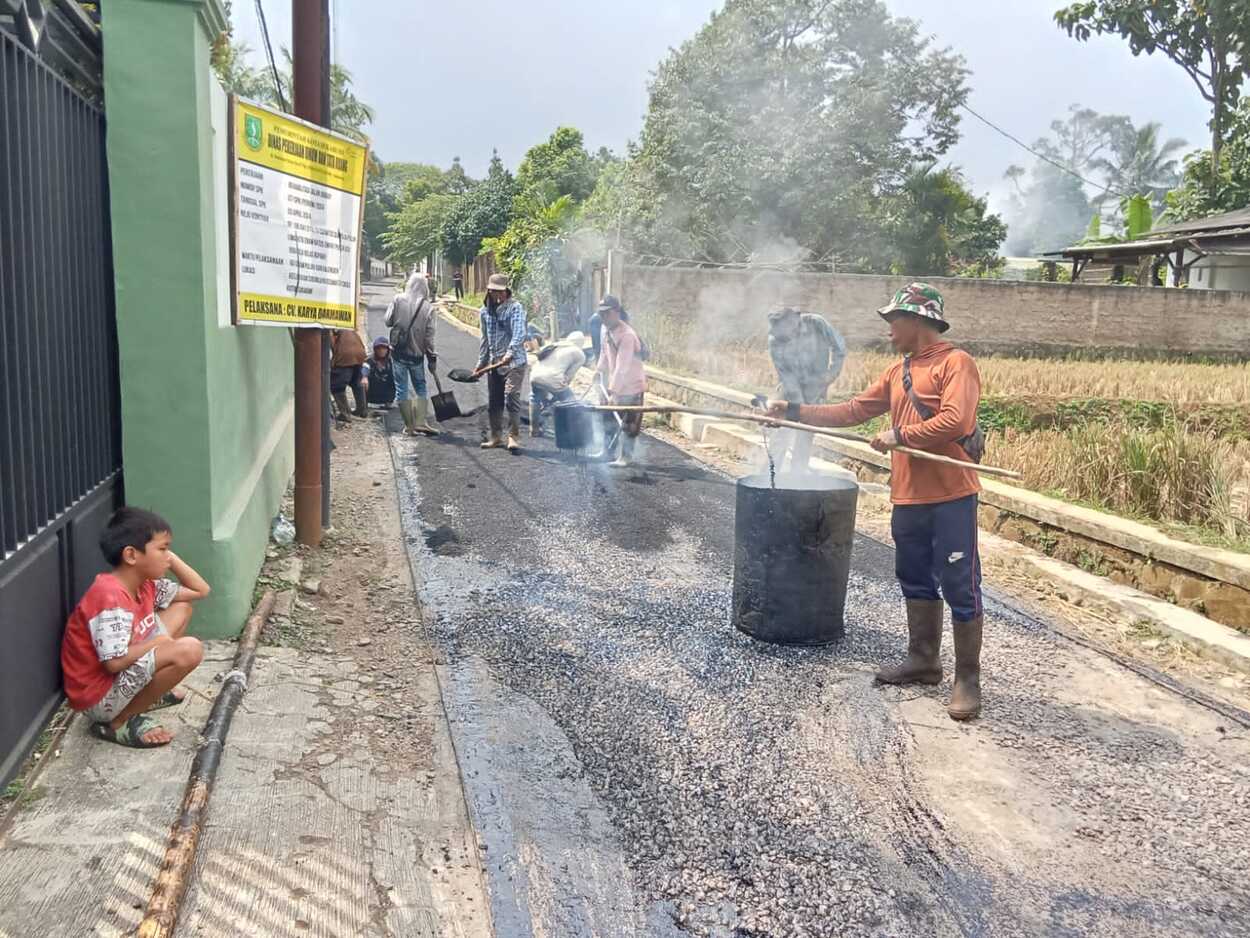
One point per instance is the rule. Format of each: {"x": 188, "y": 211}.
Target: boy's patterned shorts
{"x": 126, "y": 684}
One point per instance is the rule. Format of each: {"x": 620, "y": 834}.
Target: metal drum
{"x": 792, "y": 557}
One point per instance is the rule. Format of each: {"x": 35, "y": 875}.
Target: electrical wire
{"x": 273, "y": 65}
{"x": 1016, "y": 140}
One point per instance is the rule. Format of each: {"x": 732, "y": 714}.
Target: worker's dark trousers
{"x": 504, "y": 395}
{"x": 935, "y": 554}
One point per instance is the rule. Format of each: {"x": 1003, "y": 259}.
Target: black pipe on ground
{"x": 792, "y": 557}
{"x": 171, "y": 879}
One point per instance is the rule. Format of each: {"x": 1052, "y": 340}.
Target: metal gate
{"x": 60, "y": 424}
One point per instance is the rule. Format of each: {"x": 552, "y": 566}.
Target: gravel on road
{"x": 597, "y": 691}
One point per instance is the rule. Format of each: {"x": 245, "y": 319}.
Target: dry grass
{"x": 744, "y": 363}
{"x": 1170, "y": 474}
{"x": 1169, "y": 471}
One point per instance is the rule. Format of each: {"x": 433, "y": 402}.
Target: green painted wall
{"x": 206, "y": 406}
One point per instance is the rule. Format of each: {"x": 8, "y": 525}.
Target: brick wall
{"x": 986, "y": 315}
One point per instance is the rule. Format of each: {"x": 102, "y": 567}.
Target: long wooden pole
{"x": 309, "y": 27}
{"x": 806, "y": 428}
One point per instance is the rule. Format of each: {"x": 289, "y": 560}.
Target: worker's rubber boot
{"x": 362, "y": 402}
{"x": 923, "y": 664}
{"x": 405, "y": 411}
{"x": 966, "y": 697}
{"x": 345, "y": 409}
{"x": 514, "y": 431}
{"x": 626, "y": 459}
{"x": 421, "y": 417}
{"x": 494, "y": 437}
{"x": 536, "y": 420}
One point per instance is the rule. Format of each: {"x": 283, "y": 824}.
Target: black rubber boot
{"x": 345, "y": 410}
{"x": 362, "y": 403}
{"x": 923, "y": 664}
{"x": 966, "y": 696}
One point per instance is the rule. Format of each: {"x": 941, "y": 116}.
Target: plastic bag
{"x": 282, "y": 532}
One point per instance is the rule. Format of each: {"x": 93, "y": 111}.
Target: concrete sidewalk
{"x": 338, "y": 810}
{"x": 80, "y": 860}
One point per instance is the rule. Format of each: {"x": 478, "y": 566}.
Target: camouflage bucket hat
{"x": 919, "y": 299}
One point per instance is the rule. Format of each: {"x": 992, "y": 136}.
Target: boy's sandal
{"x": 169, "y": 699}
{"x": 130, "y": 734}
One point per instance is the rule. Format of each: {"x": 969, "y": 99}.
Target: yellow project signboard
{"x": 299, "y": 202}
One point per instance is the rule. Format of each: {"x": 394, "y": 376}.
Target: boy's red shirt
{"x": 86, "y": 644}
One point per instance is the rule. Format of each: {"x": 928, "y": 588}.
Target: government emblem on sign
{"x": 251, "y": 131}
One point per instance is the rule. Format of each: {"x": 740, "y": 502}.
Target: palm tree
{"x": 1141, "y": 165}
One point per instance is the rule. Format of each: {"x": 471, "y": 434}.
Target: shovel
{"x": 465, "y": 376}
{"x": 445, "y": 406}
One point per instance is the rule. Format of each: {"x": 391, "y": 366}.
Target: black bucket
{"x": 575, "y": 426}
{"x": 792, "y": 557}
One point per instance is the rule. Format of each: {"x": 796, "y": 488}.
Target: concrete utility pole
{"x": 310, "y": 37}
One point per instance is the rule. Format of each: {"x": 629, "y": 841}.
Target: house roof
{"x": 1211, "y": 225}
{"x": 1122, "y": 249}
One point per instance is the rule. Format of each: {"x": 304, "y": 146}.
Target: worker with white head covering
{"x": 411, "y": 319}
{"x": 552, "y": 375}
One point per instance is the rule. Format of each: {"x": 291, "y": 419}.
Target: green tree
{"x": 348, "y": 114}
{"x": 1141, "y": 163}
{"x": 230, "y": 62}
{"x": 1206, "y": 38}
{"x": 789, "y": 118}
{"x": 458, "y": 181}
{"x": 1200, "y": 193}
{"x": 529, "y": 249}
{"x": 482, "y": 212}
{"x": 379, "y": 203}
{"x": 423, "y": 180}
{"x": 938, "y": 228}
{"x": 560, "y": 166}
{"x": 413, "y": 232}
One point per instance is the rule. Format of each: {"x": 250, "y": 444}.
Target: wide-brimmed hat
{"x": 498, "y": 282}
{"x": 919, "y": 299}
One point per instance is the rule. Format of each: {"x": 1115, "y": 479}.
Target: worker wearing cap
{"x": 380, "y": 374}
{"x": 931, "y": 397}
{"x": 621, "y": 372}
{"x": 503, "y": 329}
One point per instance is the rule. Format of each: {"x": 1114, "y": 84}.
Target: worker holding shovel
{"x": 502, "y": 352}
{"x": 931, "y": 397}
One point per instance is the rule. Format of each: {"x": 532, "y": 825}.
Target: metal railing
{"x": 60, "y": 412}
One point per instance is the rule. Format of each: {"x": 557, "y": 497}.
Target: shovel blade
{"x": 445, "y": 406}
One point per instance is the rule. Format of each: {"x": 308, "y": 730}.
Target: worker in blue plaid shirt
{"x": 503, "y": 337}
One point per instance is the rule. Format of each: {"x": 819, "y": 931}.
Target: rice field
{"x": 1162, "y": 441}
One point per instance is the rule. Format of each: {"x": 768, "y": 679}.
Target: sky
{"x": 444, "y": 84}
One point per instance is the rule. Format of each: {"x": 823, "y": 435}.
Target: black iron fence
{"x": 60, "y": 426}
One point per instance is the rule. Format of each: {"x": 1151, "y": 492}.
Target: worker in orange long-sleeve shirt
{"x": 931, "y": 397}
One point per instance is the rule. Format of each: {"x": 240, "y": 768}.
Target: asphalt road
{"x": 634, "y": 766}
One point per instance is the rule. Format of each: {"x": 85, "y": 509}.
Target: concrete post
{"x": 206, "y": 406}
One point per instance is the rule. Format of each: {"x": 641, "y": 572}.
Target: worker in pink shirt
{"x": 620, "y": 367}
